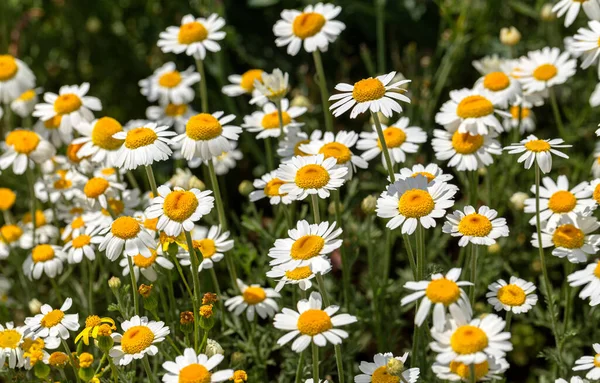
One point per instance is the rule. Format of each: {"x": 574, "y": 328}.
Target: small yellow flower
{"x": 58, "y": 359}
{"x": 92, "y": 326}
{"x": 85, "y": 360}
{"x": 239, "y": 376}
{"x": 206, "y": 311}
{"x": 7, "y": 198}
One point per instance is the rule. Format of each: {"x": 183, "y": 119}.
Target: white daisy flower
{"x": 378, "y": 371}
{"x": 253, "y": 299}
{"x": 83, "y": 244}
{"x": 11, "y": 339}
{"x": 98, "y": 190}
{"x": 24, "y": 104}
{"x": 595, "y": 190}
{"x": 289, "y": 146}
{"x": 50, "y": 130}
{"x": 479, "y": 227}
{"x": 98, "y": 142}
{"x": 143, "y": 145}
{"x": 337, "y": 146}
{"x": 371, "y": 94}
{"x": 12, "y": 236}
{"x": 268, "y": 186}
{"x": 542, "y": 69}
{"x": 15, "y": 78}
{"x": 190, "y": 367}
{"x": 139, "y": 338}
{"x": 465, "y": 151}
{"x": 314, "y": 28}
{"x": 586, "y": 42}
{"x": 128, "y": 233}
{"x": 44, "y": 259}
{"x": 304, "y": 176}
{"x": 63, "y": 184}
{"x": 538, "y": 150}
{"x": 471, "y": 111}
{"x": 571, "y": 238}
{"x": 527, "y": 116}
{"x": 516, "y": 296}
{"x": 307, "y": 245}
{"x": 168, "y": 85}
{"x": 313, "y": 324}
{"x": 266, "y": 122}
{"x": 445, "y": 293}
{"x": 590, "y": 277}
{"x": 22, "y": 146}
{"x": 557, "y": 200}
{"x": 410, "y": 201}
{"x": 207, "y": 135}
{"x": 591, "y": 363}
{"x": 120, "y": 206}
{"x": 210, "y": 243}
{"x": 45, "y": 231}
{"x": 431, "y": 171}
{"x": 571, "y": 9}
{"x": 491, "y": 369}
{"x": 488, "y": 64}
{"x": 146, "y": 265}
{"x": 178, "y": 209}
{"x": 243, "y": 84}
{"x": 53, "y": 323}
{"x": 500, "y": 84}
{"x": 195, "y": 36}
{"x": 271, "y": 87}
{"x": 175, "y": 115}
{"x": 300, "y": 275}
{"x": 226, "y": 161}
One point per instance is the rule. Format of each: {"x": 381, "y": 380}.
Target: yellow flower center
{"x": 62, "y": 184}
{"x": 299, "y": 273}
{"x": 53, "y": 122}
{"x": 95, "y": 187}
{"x": 139, "y": 137}
{"x": 58, "y": 359}
{"x": 430, "y": 177}
{"x": 465, "y": 143}
{"x": 117, "y": 207}
{"x": 313, "y": 322}
{"x": 175, "y": 110}
{"x": 537, "y": 146}
{"x": 52, "y": 318}
{"x": 312, "y": 176}
{"x": 150, "y": 223}
{"x": 125, "y": 228}
{"x": 206, "y": 247}
{"x": 298, "y": 152}
{"x": 442, "y": 291}
{"x": 511, "y": 295}
{"x": 336, "y": 150}
{"x": 194, "y": 373}
{"x": 92, "y": 321}
{"x": 474, "y": 107}
{"x": 42, "y": 253}
{"x": 475, "y": 225}
{"x": 368, "y": 90}
{"x": 28, "y": 95}
{"x": 597, "y": 360}
{"x": 9, "y": 338}
{"x": 394, "y": 137}
{"x": 307, "y": 247}
{"x": 8, "y": 67}
{"x": 85, "y": 360}
{"x": 7, "y": 198}
{"x": 597, "y": 270}
{"x": 415, "y": 203}
{"x": 192, "y": 33}
{"x": 468, "y": 339}
{"x": 308, "y": 24}
{"x": 562, "y": 201}
{"x": 22, "y": 141}
{"x": 545, "y": 72}
{"x": 143, "y": 262}
{"x": 67, "y": 103}
{"x": 136, "y": 339}
{"x": 514, "y": 111}
{"x": 596, "y": 194}
{"x": 568, "y": 236}
{"x": 72, "y": 150}
{"x": 170, "y": 79}
{"x": 40, "y": 218}
{"x": 11, "y": 233}
{"x": 203, "y": 127}
{"x": 102, "y": 134}
{"x": 77, "y": 223}
{"x": 254, "y": 295}
{"x": 381, "y": 375}
{"x": 248, "y": 78}
{"x": 463, "y": 370}
{"x": 272, "y": 188}
{"x": 81, "y": 241}
{"x": 180, "y": 205}
{"x": 496, "y": 81}
{"x": 271, "y": 120}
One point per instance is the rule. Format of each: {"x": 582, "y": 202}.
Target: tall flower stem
{"x": 380, "y": 15}
{"x": 420, "y": 267}
{"x": 269, "y": 154}
{"x": 147, "y": 368}
{"x": 411, "y": 255}
{"x": 557, "y": 118}
{"x": 31, "y": 183}
{"x": 133, "y": 285}
{"x": 151, "y": 180}
{"x": 569, "y": 303}
{"x": 202, "y": 85}
{"x": 346, "y": 272}
{"x": 299, "y": 368}
{"x": 196, "y": 281}
{"x": 91, "y": 286}
{"x": 315, "y": 362}
{"x": 508, "y": 320}
{"x": 472, "y": 373}
{"x": 71, "y": 359}
{"x": 113, "y": 370}
{"x": 474, "y": 251}
{"x": 315, "y": 205}
{"x": 324, "y": 94}
{"x": 384, "y": 148}
{"x": 473, "y": 188}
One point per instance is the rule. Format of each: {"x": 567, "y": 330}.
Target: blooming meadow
{"x": 391, "y": 222}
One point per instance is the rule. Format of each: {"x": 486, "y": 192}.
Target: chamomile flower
{"x": 410, "y": 201}
{"x": 11, "y": 338}
{"x": 45, "y": 231}
{"x": 556, "y": 200}
{"x": 168, "y": 85}
{"x": 178, "y": 209}
{"x": 289, "y": 146}
{"x": 266, "y": 122}
{"x": 571, "y": 9}
{"x": 62, "y": 184}
{"x": 143, "y": 146}
{"x": 49, "y": 130}
{"x": 24, "y": 104}
{"x": 527, "y": 119}
{"x": 590, "y": 278}
{"x": 268, "y": 186}
{"x": 44, "y": 259}
{"x": 146, "y": 265}
{"x": 471, "y": 341}
{"x": 210, "y": 243}
{"x": 97, "y": 191}
{"x": 226, "y": 161}
{"x": 12, "y": 236}
{"x": 542, "y": 69}
{"x": 300, "y": 276}
{"x": 128, "y": 233}
{"x": 337, "y": 146}
{"x": 538, "y": 150}
{"x": 586, "y": 42}
{"x": 471, "y": 111}
{"x": 304, "y": 176}
{"x": 98, "y": 142}
{"x": 175, "y": 115}
{"x": 207, "y": 135}
{"x": 307, "y": 245}
{"x": 15, "y": 78}
{"x": 488, "y": 64}
{"x": 371, "y": 94}
{"x": 190, "y": 368}
{"x": 591, "y": 363}
{"x": 243, "y": 84}
{"x": 253, "y": 299}
{"x": 431, "y": 171}
{"x": 479, "y": 227}
{"x": 516, "y": 296}
{"x": 399, "y": 139}
{"x": 571, "y": 238}
{"x": 312, "y": 323}
{"x": 378, "y": 371}
{"x": 445, "y": 293}
{"x": 271, "y": 87}
{"x": 139, "y": 338}
{"x": 501, "y": 85}
{"x": 314, "y": 28}
{"x": 53, "y": 323}
{"x": 83, "y": 244}
{"x": 22, "y": 146}
{"x": 195, "y": 36}
{"x": 491, "y": 369}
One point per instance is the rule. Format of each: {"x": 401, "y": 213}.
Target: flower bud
{"x": 195, "y": 182}
{"x": 114, "y": 283}
{"x": 245, "y": 188}
{"x": 35, "y": 306}
{"x": 546, "y": 13}
{"x": 209, "y": 298}
{"x": 104, "y": 342}
{"x": 301, "y": 101}
{"x": 331, "y": 208}
{"x": 213, "y": 348}
{"x": 58, "y": 359}
{"x": 145, "y": 290}
{"x": 239, "y": 376}
{"x": 510, "y": 36}
{"x": 186, "y": 322}
{"x": 41, "y": 371}
{"x": 207, "y": 321}
{"x": 395, "y": 367}
{"x": 86, "y": 373}
{"x": 238, "y": 358}
{"x": 494, "y": 249}
{"x": 518, "y": 200}
{"x": 85, "y": 360}
{"x": 369, "y": 204}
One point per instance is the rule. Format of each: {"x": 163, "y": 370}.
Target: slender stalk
{"x": 91, "y": 287}
{"x": 557, "y": 118}
{"x": 379, "y": 14}
{"x": 132, "y": 180}
{"x": 411, "y": 256}
{"x": 569, "y": 303}
{"x": 474, "y": 251}
{"x": 324, "y": 94}
{"x": 196, "y": 281}
{"x": 202, "y": 348}
{"x": 299, "y": 368}
{"x": 315, "y": 206}
{"x": 269, "y": 154}
{"x": 472, "y": 374}
{"x": 384, "y": 148}
{"x": 56, "y": 289}
{"x": 32, "y": 200}
{"x": 346, "y": 272}
{"x": 509, "y": 315}
{"x": 7, "y": 121}
{"x": 473, "y": 186}
{"x": 182, "y": 275}
{"x": 202, "y": 85}
{"x": 420, "y": 267}
{"x": 315, "y": 362}
{"x": 151, "y": 180}
{"x": 147, "y": 368}
{"x": 68, "y": 352}
{"x": 113, "y": 370}
{"x": 133, "y": 286}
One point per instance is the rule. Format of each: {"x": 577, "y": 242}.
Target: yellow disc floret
{"x": 568, "y": 236}
{"x": 475, "y": 225}
{"x": 53, "y": 318}
{"x": 10, "y": 233}
{"x": 474, "y": 107}
{"x": 206, "y": 246}
{"x": 81, "y": 241}
{"x": 465, "y": 143}
{"x": 193, "y": 32}
{"x": 545, "y": 72}
{"x": 67, "y": 103}
{"x": 468, "y": 339}
{"x": 179, "y": 205}
{"x": 23, "y": 141}
{"x": 442, "y": 291}
{"x": 137, "y": 339}
{"x": 562, "y": 201}
{"x": 143, "y": 262}
{"x": 299, "y": 273}
{"x": 271, "y": 120}
{"x": 336, "y": 150}
{"x": 394, "y": 137}
{"x": 203, "y": 127}
{"x": 125, "y": 227}
{"x": 312, "y": 176}
{"x": 415, "y": 203}
{"x": 463, "y": 370}
{"x": 170, "y": 79}
{"x": 313, "y": 322}
{"x": 308, "y": 24}
{"x": 7, "y": 198}
{"x": 8, "y": 67}
{"x": 272, "y": 188}
{"x": 139, "y": 137}
{"x": 382, "y": 375}
{"x": 9, "y": 338}
{"x": 511, "y": 295}
{"x": 537, "y": 146}
{"x": 194, "y": 373}
{"x": 254, "y": 295}
{"x": 42, "y": 253}
{"x": 103, "y": 131}
{"x": 369, "y": 89}
{"x": 248, "y": 78}
{"x": 95, "y": 187}
{"x": 307, "y": 247}
{"x": 496, "y": 81}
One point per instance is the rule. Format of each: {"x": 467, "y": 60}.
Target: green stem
{"x": 472, "y": 373}
{"x": 384, "y": 148}
{"x": 91, "y": 287}
{"x": 473, "y": 184}
{"x": 133, "y": 285}
{"x": 196, "y": 281}
{"x": 68, "y": 351}
{"x": 379, "y": 9}
{"x": 474, "y": 251}
{"x": 32, "y": 201}
{"x": 557, "y": 118}
{"x": 411, "y": 256}
{"x": 204, "y": 341}
{"x": 269, "y": 154}
{"x": 346, "y": 272}
{"x": 420, "y": 252}
{"x": 132, "y": 180}
{"x": 147, "y": 368}
{"x": 299, "y": 368}
{"x": 315, "y": 206}
{"x": 509, "y": 315}
{"x": 7, "y": 118}
{"x": 56, "y": 289}
{"x": 182, "y": 275}
{"x": 569, "y": 304}
{"x": 113, "y": 370}
{"x": 315, "y": 362}
{"x": 324, "y": 94}
{"x": 151, "y": 180}
{"x": 202, "y": 84}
